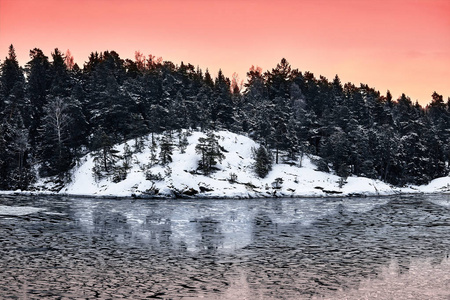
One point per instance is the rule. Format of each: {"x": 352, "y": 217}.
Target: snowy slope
{"x": 184, "y": 178}
{"x": 298, "y": 181}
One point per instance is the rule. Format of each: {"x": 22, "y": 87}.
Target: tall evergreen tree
{"x": 263, "y": 161}
{"x": 14, "y": 146}
{"x": 222, "y": 104}
{"x": 166, "y": 149}
{"x": 11, "y": 76}
{"x": 39, "y": 82}
{"x": 211, "y": 152}
{"x": 106, "y": 157}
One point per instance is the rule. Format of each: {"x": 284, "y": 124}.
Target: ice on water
{"x": 18, "y": 210}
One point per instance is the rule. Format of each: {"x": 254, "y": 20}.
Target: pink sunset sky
{"x": 400, "y": 45}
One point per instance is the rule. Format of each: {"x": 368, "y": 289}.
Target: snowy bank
{"x": 233, "y": 177}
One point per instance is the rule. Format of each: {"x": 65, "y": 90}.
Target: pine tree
{"x": 15, "y": 170}
{"x": 105, "y": 157}
{"x": 182, "y": 141}
{"x": 138, "y": 145}
{"x": 39, "y": 82}
{"x": 79, "y": 129}
{"x": 211, "y": 152}
{"x": 166, "y": 149}
{"x": 292, "y": 142}
{"x": 278, "y": 80}
{"x": 263, "y": 161}
{"x": 336, "y": 150}
{"x": 127, "y": 155}
{"x": 153, "y": 159}
{"x": 222, "y": 104}
{"x": 11, "y": 75}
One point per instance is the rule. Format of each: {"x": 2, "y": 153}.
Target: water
{"x": 349, "y": 248}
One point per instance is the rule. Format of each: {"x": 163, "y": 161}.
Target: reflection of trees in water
{"x": 111, "y": 223}
{"x": 154, "y": 230}
{"x": 159, "y": 230}
{"x": 340, "y": 249}
{"x": 211, "y": 237}
{"x": 263, "y": 227}
{"x": 403, "y": 264}
{"x": 284, "y": 260}
{"x": 277, "y": 205}
{"x": 336, "y": 251}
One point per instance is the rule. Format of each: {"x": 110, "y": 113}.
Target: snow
{"x": 297, "y": 181}
{"x": 437, "y": 185}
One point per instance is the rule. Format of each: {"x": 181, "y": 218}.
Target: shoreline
{"x": 212, "y": 197}
{"x": 233, "y": 177}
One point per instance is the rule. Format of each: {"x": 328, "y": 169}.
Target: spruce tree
{"x": 11, "y": 75}
{"x": 15, "y": 170}
{"x": 263, "y": 161}
{"x": 39, "y": 82}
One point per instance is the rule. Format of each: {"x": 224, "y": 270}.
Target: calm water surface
{"x": 349, "y": 248}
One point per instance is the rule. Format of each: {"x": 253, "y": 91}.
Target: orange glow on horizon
{"x": 400, "y": 45}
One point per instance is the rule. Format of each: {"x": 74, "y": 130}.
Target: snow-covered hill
{"x": 234, "y": 178}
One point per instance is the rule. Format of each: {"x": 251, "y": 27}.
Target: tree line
{"x": 52, "y": 112}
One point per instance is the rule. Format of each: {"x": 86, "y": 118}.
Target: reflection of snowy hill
{"x": 196, "y": 225}
{"x": 181, "y": 177}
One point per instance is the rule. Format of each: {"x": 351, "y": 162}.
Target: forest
{"x": 52, "y": 112}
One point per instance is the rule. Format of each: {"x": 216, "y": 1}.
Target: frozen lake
{"x": 335, "y": 248}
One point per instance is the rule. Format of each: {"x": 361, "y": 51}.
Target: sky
{"x": 400, "y": 45}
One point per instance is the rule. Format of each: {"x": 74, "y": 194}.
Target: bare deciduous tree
{"x": 57, "y": 121}
{"x": 69, "y": 60}
{"x": 236, "y": 83}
